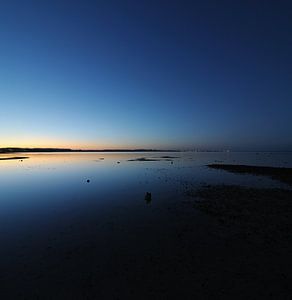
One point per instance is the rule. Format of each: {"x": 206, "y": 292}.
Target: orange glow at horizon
{"x": 50, "y": 143}
{"x": 53, "y": 141}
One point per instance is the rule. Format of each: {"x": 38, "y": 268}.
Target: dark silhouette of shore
{"x": 22, "y": 150}
{"x": 14, "y": 157}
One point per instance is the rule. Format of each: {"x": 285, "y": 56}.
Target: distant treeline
{"x": 18, "y": 150}
{"x": 15, "y": 150}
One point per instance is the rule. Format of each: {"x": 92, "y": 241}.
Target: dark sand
{"x": 282, "y": 174}
{"x": 15, "y": 157}
{"x": 263, "y": 214}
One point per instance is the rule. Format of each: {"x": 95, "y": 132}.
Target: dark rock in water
{"x": 118, "y": 162}
{"x": 87, "y": 180}
{"x": 172, "y": 162}
{"x": 148, "y": 197}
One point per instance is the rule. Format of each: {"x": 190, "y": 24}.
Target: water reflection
{"x": 68, "y": 217}
{"x": 68, "y": 181}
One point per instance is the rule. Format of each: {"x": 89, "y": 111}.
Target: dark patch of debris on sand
{"x": 162, "y": 158}
{"x": 143, "y": 159}
{"x": 278, "y": 173}
{"x": 261, "y": 213}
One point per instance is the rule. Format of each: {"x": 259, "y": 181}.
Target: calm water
{"x": 45, "y": 187}
{"x": 57, "y": 228}
{"x": 58, "y": 179}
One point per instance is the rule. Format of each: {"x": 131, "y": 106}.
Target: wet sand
{"x": 161, "y": 158}
{"x": 282, "y": 174}
{"x": 262, "y": 214}
{"x": 144, "y": 159}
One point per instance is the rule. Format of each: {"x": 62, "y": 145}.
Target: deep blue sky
{"x": 162, "y": 74}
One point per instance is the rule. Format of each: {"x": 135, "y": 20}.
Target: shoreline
{"x": 49, "y": 150}
{"x": 14, "y": 157}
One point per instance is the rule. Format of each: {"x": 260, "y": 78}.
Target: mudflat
{"x": 278, "y": 173}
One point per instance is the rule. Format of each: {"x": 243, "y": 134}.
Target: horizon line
{"x": 7, "y": 150}
{"x": 53, "y": 149}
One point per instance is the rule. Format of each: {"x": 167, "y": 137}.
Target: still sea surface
{"x": 64, "y": 214}
{"x": 49, "y": 187}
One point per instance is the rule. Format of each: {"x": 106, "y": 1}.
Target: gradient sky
{"x": 155, "y": 74}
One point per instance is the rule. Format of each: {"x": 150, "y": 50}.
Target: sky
{"x": 146, "y": 74}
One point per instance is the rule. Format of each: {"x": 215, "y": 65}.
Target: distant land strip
{"x": 14, "y": 157}
{"x": 22, "y": 150}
